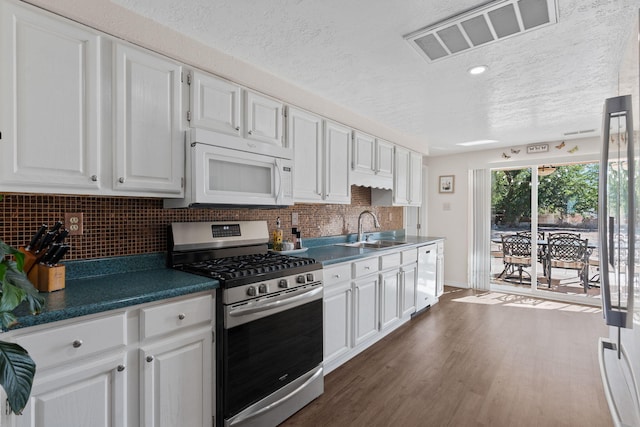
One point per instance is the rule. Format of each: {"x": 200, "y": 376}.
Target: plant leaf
{"x": 20, "y": 281}
{"x": 17, "y": 370}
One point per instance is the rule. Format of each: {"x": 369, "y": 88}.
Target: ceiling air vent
{"x": 485, "y": 24}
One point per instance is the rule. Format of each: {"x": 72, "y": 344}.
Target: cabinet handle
{"x": 149, "y": 359}
{"x": 237, "y": 128}
{"x": 120, "y": 368}
{"x": 94, "y": 178}
{"x": 366, "y": 267}
{"x": 121, "y": 180}
{"x": 250, "y": 132}
{"x": 336, "y": 276}
{"x": 181, "y": 316}
{"x": 77, "y": 343}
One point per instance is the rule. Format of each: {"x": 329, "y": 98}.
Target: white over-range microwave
{"x": 219, "y": 176}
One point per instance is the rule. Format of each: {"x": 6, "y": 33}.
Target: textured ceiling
{"x": 539, "y": 85}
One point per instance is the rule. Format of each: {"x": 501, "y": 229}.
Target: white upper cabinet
{"x": 364, "y": 153}
{"x": 50, "y": 109}
{"x": 415, "y": 179}
{"x": 384, "y": 159}
{"x": 148, "y": 146}
{"x": 321, "y": 164}
{"x": 216, "y": 104}
{"x": 372, "y": 164}
{"x": 263, "y": 119}
{"x": 407, "y": 181}
{"x": 336, "y": 163}
{"x": 304, "y": 131}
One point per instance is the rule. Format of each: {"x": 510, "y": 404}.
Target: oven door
{"x": 280, "y": 342}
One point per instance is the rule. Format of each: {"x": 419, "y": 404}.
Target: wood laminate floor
{"x": 474, "y": 359}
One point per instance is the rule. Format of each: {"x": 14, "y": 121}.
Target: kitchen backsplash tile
{"x": 115, "y": 226}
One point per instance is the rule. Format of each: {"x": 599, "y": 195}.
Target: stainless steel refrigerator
{"x": 619, "y": 255}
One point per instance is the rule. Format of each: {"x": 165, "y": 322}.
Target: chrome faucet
{"x": 376, "y": 223}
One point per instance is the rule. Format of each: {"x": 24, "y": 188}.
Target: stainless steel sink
{"x": 378, "y": 244}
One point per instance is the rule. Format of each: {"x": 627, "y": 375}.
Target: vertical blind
{"x": 480, "y": 226}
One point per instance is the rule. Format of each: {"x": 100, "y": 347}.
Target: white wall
{"x": 123, "y": 23}
{"x": 449, "y": 215}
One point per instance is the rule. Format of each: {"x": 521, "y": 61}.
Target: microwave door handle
{"x": 278, "y": 183}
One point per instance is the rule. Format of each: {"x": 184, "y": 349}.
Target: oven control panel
{"x": 267, "y": 288}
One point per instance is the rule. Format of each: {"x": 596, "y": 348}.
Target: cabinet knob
{"x": 237, "y": 127}
{"x": 121, "y": 180}
{"x": 120, "y": 368}
{"x": 77, "y": 343}
{"x": 149, "y": 359}
{"x": 250, "y": 132}
{"x": 337, "y": 276}
{"x": 181, "y": 316}
{"x": 94, "y": 178}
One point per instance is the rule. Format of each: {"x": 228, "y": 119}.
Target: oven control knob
{"x": 300, "y": 279}
{"x": 251, "y": 291}
{"x": 283, "y": 283}
{"x": 262, "y": 289}
{"x": 310, "y": 277}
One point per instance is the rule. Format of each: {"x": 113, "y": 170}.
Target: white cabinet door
{"x": 176, "y": 383}
{"x": 365, "y": 313}
{"x": 401, "y": 177}
{"x": 389, "y": 298}
{"x": 408, "y": 287}
{"x": 304, "y": 131}
{"x": 92, "y": 393}
{"x": 263, "y": 119}
{"x": 215, "y": 104}
{"x": 337, "y": 321}
{"x": 337, "y": 157}
{"x": 364, "y": 155}
{"x": 384, "y": 159}
{"x": 50, "y": 109}
{"x": 415, "y": 179}
{"x": 148, "y": 146}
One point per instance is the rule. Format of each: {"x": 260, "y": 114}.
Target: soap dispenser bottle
{"x": 277, "y": 236}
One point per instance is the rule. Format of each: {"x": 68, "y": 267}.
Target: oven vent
{"x": 488, "y": 23}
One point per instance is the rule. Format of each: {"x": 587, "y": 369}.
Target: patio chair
{"x": 517, "y": 254}
{"x": 565, "y": 250}
{"x": 542, "y": 257}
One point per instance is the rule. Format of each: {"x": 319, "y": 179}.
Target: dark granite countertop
{"x": 327, "y": 251}
{"x": 97, "y": 285}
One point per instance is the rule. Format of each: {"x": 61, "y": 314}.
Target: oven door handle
{"x": 260, "y": 307}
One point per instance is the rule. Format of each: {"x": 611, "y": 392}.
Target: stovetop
{"x": 239, "y": 270}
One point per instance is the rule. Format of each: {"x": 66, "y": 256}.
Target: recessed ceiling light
{"x": 478, "y": 142}
{"x": 478, "y": 70}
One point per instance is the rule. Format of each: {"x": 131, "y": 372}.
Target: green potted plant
{"x": 17, "y": 369}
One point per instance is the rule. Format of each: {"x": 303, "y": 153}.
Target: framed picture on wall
{"x": 447, "y": 183}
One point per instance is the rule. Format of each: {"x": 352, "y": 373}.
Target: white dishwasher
{"x": 427, "y": 277}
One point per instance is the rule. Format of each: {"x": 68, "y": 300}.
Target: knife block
{"x": 50, "y": 277}
{"x": 29, "y": 261}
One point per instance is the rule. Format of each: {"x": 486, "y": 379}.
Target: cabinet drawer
{"x": 364, "y": 267}
{"x": 166, "y": 318}
{"x": 390, "y": 260}
{"x": 336, "y": 274}
{"x": 409, "y": 256}
{"x": 54, "y": 346}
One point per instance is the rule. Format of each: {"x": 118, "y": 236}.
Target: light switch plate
{"x": 294, "y": 218}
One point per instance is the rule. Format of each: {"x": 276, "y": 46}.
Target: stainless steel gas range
{"x": 268, "y": 319}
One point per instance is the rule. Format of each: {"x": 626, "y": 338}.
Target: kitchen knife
{"x": 49, "y": 254}
{"x": 57, "y": 256}
{"x": 36, "y": 237}
{"x": 61, "y": 236}
{"x": 46, "y": 241}
{"x": 56, "y": 226}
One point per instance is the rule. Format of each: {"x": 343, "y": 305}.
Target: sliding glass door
{"x": 544, "y": 229}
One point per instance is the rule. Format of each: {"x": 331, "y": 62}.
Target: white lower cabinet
{"x": 117, "y": 370}
{"x": 89, "y": 394}
{"x": 177, "y": 381}
{"x": 364, "y": 300}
